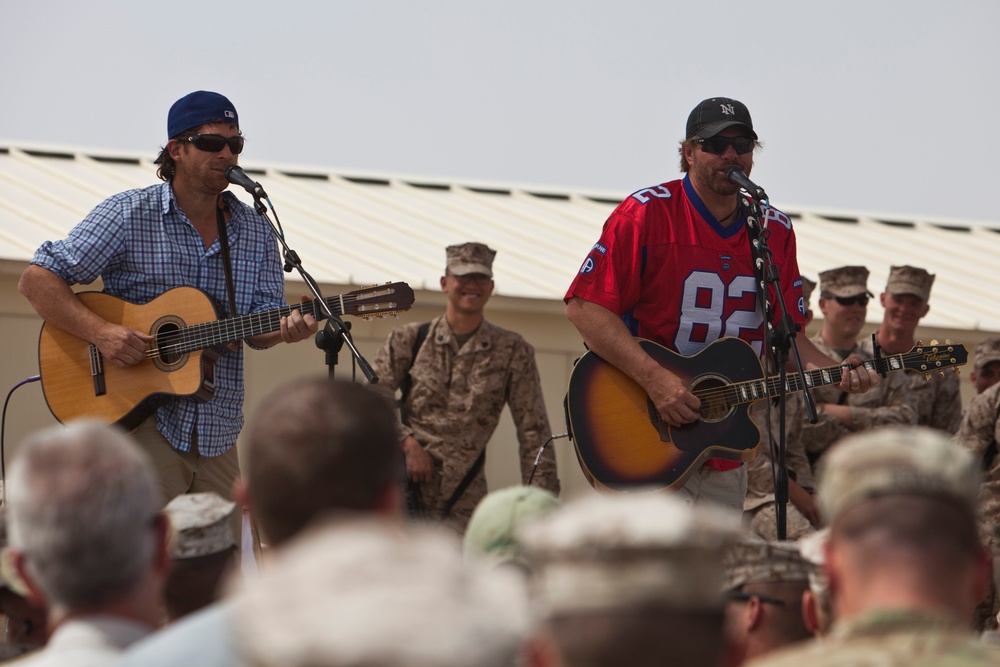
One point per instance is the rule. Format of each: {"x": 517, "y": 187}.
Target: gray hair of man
{"x": 83, "y": 504}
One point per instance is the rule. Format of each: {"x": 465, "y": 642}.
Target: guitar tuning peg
{"x": 941, "y": 373}
{"x": 956, "y": 371}
{"x": 927, "y": 377}
{"x": 934, "y": 341}
{"x": 947, "y": 341}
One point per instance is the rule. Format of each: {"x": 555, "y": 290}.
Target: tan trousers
{"x": 188, "y": 472}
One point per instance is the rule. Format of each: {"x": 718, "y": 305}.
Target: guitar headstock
{"x": 378, "y": 300}
{"x": 935, "y": 357}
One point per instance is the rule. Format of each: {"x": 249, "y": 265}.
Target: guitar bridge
{"x": 97, "y": 370}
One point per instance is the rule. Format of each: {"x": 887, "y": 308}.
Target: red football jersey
{"x": 679, "y": 278}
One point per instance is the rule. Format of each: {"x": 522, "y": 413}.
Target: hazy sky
{"x": 861, "y": 105}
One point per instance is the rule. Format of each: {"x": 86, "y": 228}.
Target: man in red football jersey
{"x": 674, "y": 265}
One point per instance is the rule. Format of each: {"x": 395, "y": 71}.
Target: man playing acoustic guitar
{"x": 673, "y": 265}
{"x": 144, "y": 242}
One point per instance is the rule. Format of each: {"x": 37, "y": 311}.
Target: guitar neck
{"x": 751, "y": 391}
{"x": 222, "y": 332}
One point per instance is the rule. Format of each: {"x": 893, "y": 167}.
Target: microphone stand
{"x": 335, "y": 332}
{"x": 780, "y": 339}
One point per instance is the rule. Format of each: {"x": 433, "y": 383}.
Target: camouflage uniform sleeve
{"x": 980, "y": 426}
{"x": 527, "y": 407}
{"x": 392, "y": 363}
{"x": 895, "y": 410}
{"x": 947, "y": 409}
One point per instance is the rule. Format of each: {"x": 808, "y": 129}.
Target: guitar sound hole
{"x": 711, "y": 391}
{"x": 169, "y": 352}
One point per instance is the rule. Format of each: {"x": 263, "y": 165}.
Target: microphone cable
{"x": 3, "y": 431}
{"x": 541, "y": 450}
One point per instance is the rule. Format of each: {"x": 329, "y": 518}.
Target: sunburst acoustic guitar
{"x": 622, "y": 443}
{"x": 187, "y": 335}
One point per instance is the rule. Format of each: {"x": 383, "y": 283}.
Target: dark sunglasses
{"x": 213, "y": 143}
{"x": 860, "y": 299}
{"x": 718, "y": 145}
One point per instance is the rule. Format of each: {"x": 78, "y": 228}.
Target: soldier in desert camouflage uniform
{"x": 979, "y": 432}
{"x": 904, "y": 558}
{"x": 464, "y": 373}
{"x": 764, "y": 585}
{"x": 844, "y": 302}
{"x": 937, "y": 401}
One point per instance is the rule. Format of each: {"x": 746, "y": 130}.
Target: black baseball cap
{"x": 716, "y": 114}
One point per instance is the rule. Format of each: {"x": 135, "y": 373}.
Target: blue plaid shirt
{"x": 141, "y": 244}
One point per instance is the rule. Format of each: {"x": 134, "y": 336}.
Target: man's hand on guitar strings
{"x": 857, "y": 379}
{"x": 296, "y": 326}
{"x": 675, "y": 403}
{"x": 122, "y": 345}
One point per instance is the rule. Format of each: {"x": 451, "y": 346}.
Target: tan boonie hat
{"x": 470, "y": 258}
{"x": 896, "y": 460}
{"x": 201, "y": 525}
{"x": 987, "y": 351}
{"x": 759, "y": 561}
{"x": 910, "y": 280}
{"x": 491, "y": 533}
{"x": 844, "y": 281}
{"x": 621, "y": 552}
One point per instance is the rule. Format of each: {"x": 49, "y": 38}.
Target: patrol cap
{"x": 892, "y": 461}
{"x": 987, "y": 351}
{"x": 621, "y": 552}
{"x": 380, "y": 593}
{"x": 201, "y": 525}
{"x": 910, "y": 280}
{"x": 715, "y": 114}
{"x": 844, "y": 281}
{"x": 491, "y": 533}
{"x": 470, "y": 258}
{"x": 200, "y": 108}
{"x": 751, "y": 561}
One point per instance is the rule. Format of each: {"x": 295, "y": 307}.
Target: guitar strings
{"x": 772, "y": 382}
{"x": 205, "y": 334}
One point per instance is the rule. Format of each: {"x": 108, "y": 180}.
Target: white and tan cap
{"x": 201, "y": 525}
{"x": 623, "y": 551}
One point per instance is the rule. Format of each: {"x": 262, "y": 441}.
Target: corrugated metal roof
{"x": 364, "y": 227}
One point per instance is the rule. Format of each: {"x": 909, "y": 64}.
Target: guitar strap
{"x": 220, "y": 219}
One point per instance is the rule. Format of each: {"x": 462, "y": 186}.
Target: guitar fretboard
{"x": 717, "y": 400}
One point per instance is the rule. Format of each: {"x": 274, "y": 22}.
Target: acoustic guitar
{"x": 188, "y": 338}
{"x": 622, "y": 442}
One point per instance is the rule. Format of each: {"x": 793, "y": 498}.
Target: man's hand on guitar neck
{"x": 122, "y": 345}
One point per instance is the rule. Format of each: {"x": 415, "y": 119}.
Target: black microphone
{"x": 236, "y": 176}
{"x": 735, "y": 175}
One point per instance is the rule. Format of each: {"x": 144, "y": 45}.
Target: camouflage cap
{"x": 896, "y": 460}
{"x": 844, "y": 281}
{"x": 755, "y": 561}
{"x": 910, "y": 280}
{"x": 987, "y": 351}
{"x": 201, "y": 525}
{"x": 491, "y": 532}
{"x": 620, "y": 552}
{"x": 470, "y": 258}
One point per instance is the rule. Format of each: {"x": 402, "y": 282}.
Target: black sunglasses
{"x": 718, "y": 145}
{"x": 213, "y": 143}
{"x": 860, "y": 299}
